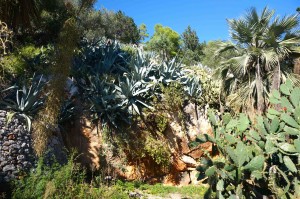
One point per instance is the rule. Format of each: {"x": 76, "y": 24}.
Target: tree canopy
{"x": 164, "y": 41}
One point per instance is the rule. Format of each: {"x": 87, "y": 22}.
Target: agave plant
{"x": 131, "y": 94}
{"x": 141, "y": 67}
{"x": 67, "y": 112}
{"x": 192, "y": 88}
{"x": 168, "y": 72}
{"x": 106, "y": 106}
{"x": 100, "y": 58}
{"x": 27, "y": 100}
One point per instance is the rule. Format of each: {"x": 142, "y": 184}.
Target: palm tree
{"x": 264, "y": 44}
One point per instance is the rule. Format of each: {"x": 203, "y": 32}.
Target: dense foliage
{"x": 85, "y": 63}
{"x": 260, "y": 157}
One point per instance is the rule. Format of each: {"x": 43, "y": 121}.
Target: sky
{"x": 207, "y": 17}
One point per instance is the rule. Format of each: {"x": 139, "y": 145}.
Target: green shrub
{"x": 67, "y": 181}
{"x": 27, "y": 59}
{"x": 259, "y": 158}
{"x": 158, "y": 150}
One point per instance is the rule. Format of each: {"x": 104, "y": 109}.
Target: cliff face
{"x": 133, "y": 157}
{"x": 142, "y": 154}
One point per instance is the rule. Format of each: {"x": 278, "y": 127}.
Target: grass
{"x": 69, "y": 181}
{"x": 191, "y": 191}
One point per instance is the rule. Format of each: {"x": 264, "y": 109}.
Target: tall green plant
{"x": 263, "y": 43}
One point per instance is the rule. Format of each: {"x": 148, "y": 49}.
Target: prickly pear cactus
{"x": 256, "y": 158}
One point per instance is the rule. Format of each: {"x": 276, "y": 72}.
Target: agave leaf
{"x": 136, "y": 109}
{"x": 9, "y": 117}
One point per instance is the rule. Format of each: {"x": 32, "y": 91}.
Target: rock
{"x": 5, "y": 148}
{"x": 196, "y": 154}
{"x": 20, "y": 157}
{"x": 9, "y": 168}
{"x": 3, "y": 163}
{"x": 189, "y": 161}
{"x": 185, "y": 178}
{"x": 193, "y": 176}
{"x": 11, "y": 136}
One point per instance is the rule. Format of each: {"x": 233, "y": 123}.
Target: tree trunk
{"x": 196, "y": 111}
{"x": 276, "y": 77}
{"x": 297, "y": 65}
{"x": 259, "y": 87}
{"x": 276, "y": 81}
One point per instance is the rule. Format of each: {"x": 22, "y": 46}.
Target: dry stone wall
{"x": 16, "y": 154}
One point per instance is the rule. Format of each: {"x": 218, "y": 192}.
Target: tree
{"x": 125, "y": 29}
{"x": 164, "y": 41}
{"x": 210, "y": 59}
{"x": 111, "y": 25}
{"x": 191, "y": 48}
{"x": 18, "y": 14}
{"x": 263, "y": 44}
{"x": 143, "y": 32}
{"x": 190, "y": 39}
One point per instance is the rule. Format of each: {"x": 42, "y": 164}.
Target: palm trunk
{"x": 276, "y": 77}
{"x": 259, "y": 88}
{"x": 297, "y": 65}
{"x": 196, "y": 111}
{"x": 276, "y": 81}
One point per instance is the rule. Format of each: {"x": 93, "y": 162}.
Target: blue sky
{"x": 207, "y": 17}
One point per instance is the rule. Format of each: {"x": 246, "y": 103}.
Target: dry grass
{"x": 47, "y": 118}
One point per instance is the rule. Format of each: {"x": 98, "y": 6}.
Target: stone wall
{"x": 16, "y": 154}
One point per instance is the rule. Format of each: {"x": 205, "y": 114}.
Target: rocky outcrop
{"x": 96, "y": 152}
{"x": 16, "y": 154}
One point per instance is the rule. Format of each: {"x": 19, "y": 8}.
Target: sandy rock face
{"x": 97, "y": 153}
